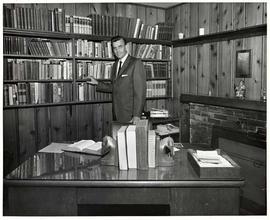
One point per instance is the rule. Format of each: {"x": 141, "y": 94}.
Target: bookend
{"x": 165, "y": 151}
{"x": 111, "y": 158}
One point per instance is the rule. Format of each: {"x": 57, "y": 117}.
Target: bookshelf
{"x": 58, "y": 62}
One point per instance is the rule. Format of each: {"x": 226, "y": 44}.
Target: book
{"x": 87, "y": 147}
{"x": 151, "y": 148}
{"x": 142, "y": 144}
{"x": 121, "y": 145}
{"x": 131, "y": 146}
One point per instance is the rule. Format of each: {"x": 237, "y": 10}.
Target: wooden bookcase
{"x": 30, "y": 127}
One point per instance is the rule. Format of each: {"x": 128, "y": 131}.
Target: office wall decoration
{"x": 243, "y": 64}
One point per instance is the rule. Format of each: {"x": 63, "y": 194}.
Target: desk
{"x": 73, "y": 184}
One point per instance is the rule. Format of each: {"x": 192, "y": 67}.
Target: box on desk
{"x": 210, "y": 171}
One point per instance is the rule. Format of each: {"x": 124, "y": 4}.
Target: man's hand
{"x": 135, "y": 120}
{"x": 92, "y": 81}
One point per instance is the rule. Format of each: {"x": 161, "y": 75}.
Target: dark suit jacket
{"x": 128, "y": 89}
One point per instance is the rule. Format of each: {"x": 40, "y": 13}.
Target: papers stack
{"x": 159, "y": 113}
{"x": 166, "y": 129}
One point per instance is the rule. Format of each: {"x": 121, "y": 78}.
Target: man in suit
{"x": 128, "y": 86}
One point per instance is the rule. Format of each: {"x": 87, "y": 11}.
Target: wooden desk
{"x": 74, "y": 184}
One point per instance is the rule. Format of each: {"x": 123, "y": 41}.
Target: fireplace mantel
{"x": 224, "y": 102}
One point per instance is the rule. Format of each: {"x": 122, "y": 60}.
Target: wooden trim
{"x": 39, "y": 80}
{"x": 23, "y": 56}
{"x": 247, "y": 32}
{"x": 224, "y": 102}
{"x": 119, "y": 183}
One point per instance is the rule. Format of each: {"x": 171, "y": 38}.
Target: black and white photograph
{"x": 134, "y": 109}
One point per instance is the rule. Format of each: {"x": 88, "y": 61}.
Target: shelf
{"x": 154, "y": 98}
{"x": 155, "y": 60}
{"x": 36, "y": 33}
{"x": 102, "y": 80}
{"x": 247, "y": 32}
{"x": 224, "y": 102}
{"x": 22, "y": 56}
{"x": 64, "y": 35}
{"x": 158, "y": 78}
{"x": 55, "y": 104}
{"x": 39, "y": 81}
{"x": 95, "y": 58}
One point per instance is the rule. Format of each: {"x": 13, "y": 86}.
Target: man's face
{"x": 119, "y": 48}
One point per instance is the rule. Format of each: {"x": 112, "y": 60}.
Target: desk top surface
{"x": 86, "y": 170}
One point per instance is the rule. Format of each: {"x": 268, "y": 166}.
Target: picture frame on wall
{"x": 243, "y": 64}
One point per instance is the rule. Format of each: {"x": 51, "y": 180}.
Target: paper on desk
{"x": 53, "y": 148}
{"x": 211, "y": 159}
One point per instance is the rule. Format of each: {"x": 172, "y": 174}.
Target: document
{"x": 210, "y": 159}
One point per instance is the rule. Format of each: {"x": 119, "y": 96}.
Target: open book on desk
{"x": 87, "y": 147}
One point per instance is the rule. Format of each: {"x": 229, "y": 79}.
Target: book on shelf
{"x": 122, "y": 149}
{"x": 87, "y": 147}
{"x": 96, "y": 69}
{"x": 35, "y": 18}
{"x": 57, "y": 20}
{"x": 25, "y": 69}
{"x": 36, "y": 93}
{"x": 87, "y": 92}
{"x": 131, "y": 146}
{"x": 156, "y": 88}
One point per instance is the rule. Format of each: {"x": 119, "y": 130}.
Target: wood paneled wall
{"x": 211, "y": 67}
{"x": 27, "y": 130}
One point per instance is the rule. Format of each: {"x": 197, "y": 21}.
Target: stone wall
{"x": 203, "y": 117}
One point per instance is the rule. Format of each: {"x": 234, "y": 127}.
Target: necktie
{"x": 119, "y": 68}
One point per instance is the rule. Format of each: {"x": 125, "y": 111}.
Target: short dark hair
{"x": 117, "y": 38}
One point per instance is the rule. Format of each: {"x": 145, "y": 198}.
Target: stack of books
{"x": 136, "y": 146}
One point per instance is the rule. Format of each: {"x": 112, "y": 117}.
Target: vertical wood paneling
{"x": 226, "y": 19}
{"x": 151, "y": 16}
{"x": 214, "y": 28}
{"x": 10, "y": 140}
{"x": 107, "y": 119}
{"x": 254, "y": 16}
{"x": 69, "y": 8}
{"x": 264, "y": 70}
{"x": 193, "y": 67}
{"x": 131, "y": 11}
{"x": 82, "y": 9}
{"x": 43, "y": 137}
{"x": 184, "y": 51}
{"x": 95, "y": 8}
{"x": 58, "y": 122}
{"x": 71, "y": 123}
{"x": 97, "y": 122}
{"x": 203, "y": 52}
{"x": 177, "y": 84}
{"x": 141, "y": 13}
{"x": 120, "y": 10}
{"x": 27, "y": 132}
{"x": 238, "y": 44}
{"x": 84, "y": 117}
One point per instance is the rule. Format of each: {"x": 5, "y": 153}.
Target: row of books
{"x": 156, "y": 88}
{"x": 87, "y": 92}
{"x": 85, "y": 48}
{"x": 94, "y": 24}
{"x": 136, "y": 146}
{"x": 25, "y": 69}
{"x": 156, "y": 70}
{"x": 149, "y": 51}
{"x": 96, "y": 69}
{"x": 36, "y": 93}
{"x": 31, "y": 18}
{"x": 36, "y": 46}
